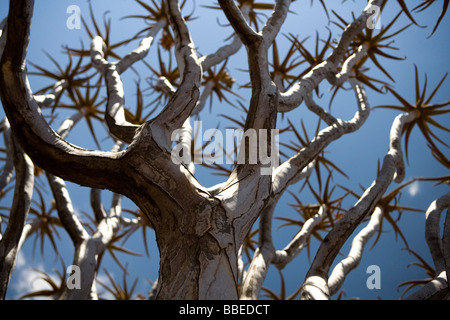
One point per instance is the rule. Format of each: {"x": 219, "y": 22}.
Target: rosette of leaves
{"x": 156, "y": 11}
{"x": 426, "y": 111}
{"x": 421, "y": 263}
{"x": 109, "y": 47}
{"x": 378, "y": 41}
{"x": 73, "y": 74}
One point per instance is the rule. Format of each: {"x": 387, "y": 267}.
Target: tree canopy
{"x": 360, "y": 109}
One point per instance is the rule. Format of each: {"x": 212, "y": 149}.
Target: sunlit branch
{"x": 432, "y": 231}
{"x": 47, "y": 149}
{"x": 90, "y": 248}
{"x": 327, "y": 69}
{"x": 49, "y": 99}
{"x": 144, "y": 47}
{"x": 206, "y": 91}
{"x": 286, "y": 173}
{"x": 265, "y": 254}
{"x": 435, "y": 289}
{"x": 343, "y": 268}
{"x": 348, "y": 65}
{"x": 239, "y": 22}
{"x": 61, "y": 195}
{"x": 165, "y": 86}
{"x": 227, "y": 50}
{"x": 391, "y": 170}
{"x": 293, "y": 249}
{"x": 115, "y": 109}
{"x": 262, "y": 258}
{"x": 8, "y": 169}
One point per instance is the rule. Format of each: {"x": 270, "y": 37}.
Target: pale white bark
{"x": 262, "y": 258}
{"x": 343, "y": 268}
{"x": 432, "y": 231}
{"x": 293, "y": 249}
{"x": 227, "y": 50}
{"x": 265, "y": 254}
{"x": 275, "y": 21}
{"x": 436, "y": 287}
{"x": 327, "y": 69}
{"x": 115, "y": 109}
{"x": 39, "y": 141}
{"x": 321, "y": 112}
{"x": 10, "y": 240}
{"x": 392, "y": 169}
{"x": 184, "y": 100}
{"x": 8, "y": 169}
{"x": 348, "y": 65}
{"x": 236, "y": 203}
{"x": 286, "y": 173}
{"x": 3, "y": 35}
{"x": 48, "y": 100}
{"x": 165, "y": 86}
{"x": 206, "y": 91}
{"x": 238, "y": 21}
{"x": 446, "y": 246}
{"x": 87, "y": 248}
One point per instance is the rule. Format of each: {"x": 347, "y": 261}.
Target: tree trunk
{"x": 194, "y": 267}
{"x": 198, "y": 254}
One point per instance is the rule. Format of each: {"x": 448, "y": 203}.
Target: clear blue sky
{"x": 356, "y": 154}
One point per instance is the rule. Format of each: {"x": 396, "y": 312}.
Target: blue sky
{"x": 356, "y": 154}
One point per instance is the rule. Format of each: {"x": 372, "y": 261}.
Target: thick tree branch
{"x": 293, "y": 249}
{"x": 322, "y": 113}
{"x": 8, "y": 169}
{"x": 65, "y": 209}
{"x": 184, "y": 100}
{"x": 275, "y": 21}
{"x": 265, "y": 254}
{"x": 115, "y": 109}
{"x": 90, "y": 248}
{"x": 40, "y": 142}
{"x": 262, "y": 258}
{"x": 327, "y": 69}
{"x": 432, "y": 231}
{"x": 144, "y": 47}
{"x": 49, "y": 99}
{"x": 10, "y": 240}
{"x": 436, "y": 289}
{"x": 227, "y": 50}
{"x": 238, "y": 22}
{"x": 391, "y": 169}
{"x": 118, "y": 126}
{"x": 287, "y": 172}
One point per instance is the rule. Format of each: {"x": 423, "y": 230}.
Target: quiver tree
{"x": 204, "y": 232}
